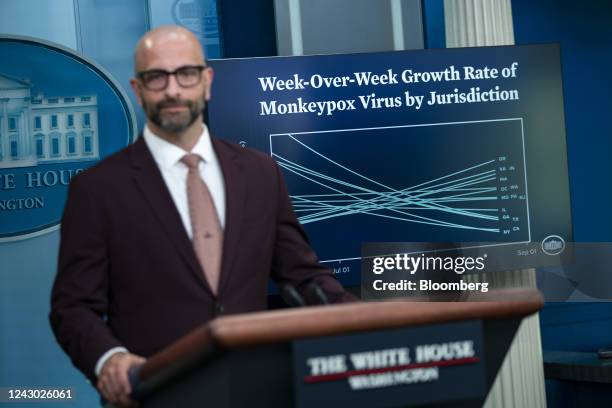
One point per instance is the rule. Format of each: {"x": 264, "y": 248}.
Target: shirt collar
{"x": 167, "y": 154}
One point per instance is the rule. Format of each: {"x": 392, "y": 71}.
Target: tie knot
{"x": 191, "y": 160}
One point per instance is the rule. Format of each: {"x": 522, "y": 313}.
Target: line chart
{"x": 461, "y": 182}
{"x": 384, "y": 201}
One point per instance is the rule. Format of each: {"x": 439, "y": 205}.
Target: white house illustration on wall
{"x": 45, "y": 130}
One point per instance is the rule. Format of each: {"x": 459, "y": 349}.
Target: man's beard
{"x": 173, "y": 123}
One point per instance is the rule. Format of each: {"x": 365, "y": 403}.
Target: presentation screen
{"x": 452, "y": 145}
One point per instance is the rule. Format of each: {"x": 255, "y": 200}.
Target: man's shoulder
{"x": 244, "y": 154}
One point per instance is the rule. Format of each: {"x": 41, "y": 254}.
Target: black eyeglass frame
{"x": 141, "y": 75}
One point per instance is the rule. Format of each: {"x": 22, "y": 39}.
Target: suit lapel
{"x": 149, "y": 181}
{"x": 235, "y": 197}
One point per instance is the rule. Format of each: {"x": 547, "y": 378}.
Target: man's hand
{"x": 113, "y": 381}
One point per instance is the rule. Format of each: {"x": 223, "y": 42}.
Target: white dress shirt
{"x": 174, "y": 172}
{"x": 168, "y": 156}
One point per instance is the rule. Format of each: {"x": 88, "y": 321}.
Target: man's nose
{"x": 173, "y": 89}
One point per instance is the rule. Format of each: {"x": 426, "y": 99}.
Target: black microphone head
{"x": 291, "y": 296}
{"x": 315, "y": 291}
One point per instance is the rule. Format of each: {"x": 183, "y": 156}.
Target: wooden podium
{"x": 394, "y": 353}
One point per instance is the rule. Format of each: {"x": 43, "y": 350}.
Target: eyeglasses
{"x": 157, "y": 79}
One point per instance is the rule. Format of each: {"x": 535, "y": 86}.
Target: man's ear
{"x": 136, "y": 89}
{"x": 208, "y": 79}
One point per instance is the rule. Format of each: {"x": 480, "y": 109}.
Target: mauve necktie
{"x": 206, "y": 228}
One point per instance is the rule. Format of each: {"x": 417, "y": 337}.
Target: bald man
{"x": 173, "y": 230}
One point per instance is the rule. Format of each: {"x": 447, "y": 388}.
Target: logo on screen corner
{"x": 553, "y": 245}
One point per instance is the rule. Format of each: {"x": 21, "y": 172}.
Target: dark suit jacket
{"x": 128, "y": 275}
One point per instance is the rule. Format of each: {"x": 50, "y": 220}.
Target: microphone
{"x": 291, "y": 296}
{"x": 314, "y": 290}
{"x": 134, "y": 377}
